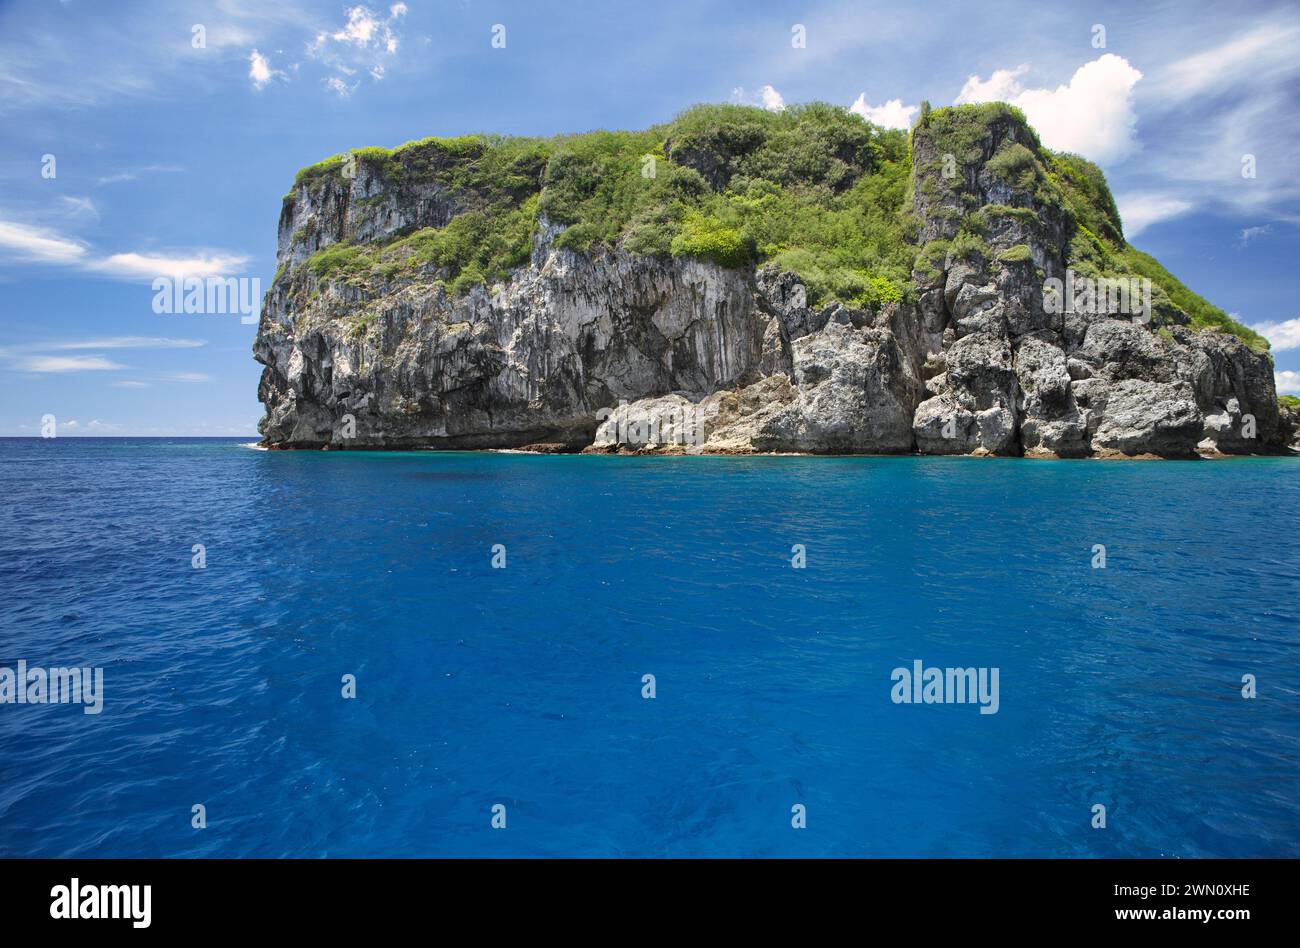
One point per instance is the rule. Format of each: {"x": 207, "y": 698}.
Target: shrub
{"x": 930, "y": 260}
{"x": 1025, "y": 215}
{"x": 710, "y": 239}
{"x": 1087, "y": 196}
{"x": 336, "y": 258}
{"x": 969, "y": 247}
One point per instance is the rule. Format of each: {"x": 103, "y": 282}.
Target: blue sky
{"x": 171, "y": 159}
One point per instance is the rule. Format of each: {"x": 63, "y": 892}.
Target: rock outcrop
{"x": 1290, "y": 425}
{"x": 610, "y": 350}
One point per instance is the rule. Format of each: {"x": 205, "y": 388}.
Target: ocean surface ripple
{"x": 523, "y": 686}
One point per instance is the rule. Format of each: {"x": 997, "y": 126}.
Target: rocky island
{"x": 742, "y": 281}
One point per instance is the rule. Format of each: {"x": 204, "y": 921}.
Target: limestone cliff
{"x": 423, "y": 303}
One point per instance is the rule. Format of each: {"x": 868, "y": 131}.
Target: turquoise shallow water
{"x": 522, "y": 686}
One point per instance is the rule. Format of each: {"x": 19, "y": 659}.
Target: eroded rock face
{"x": 611, "y": 351}
{"x": 533, "y": 361}
{"x": 1148, "y": 418}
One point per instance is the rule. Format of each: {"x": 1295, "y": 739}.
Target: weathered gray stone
{"x": 1051, "y": 424}
{"x": 1143, "y": 418}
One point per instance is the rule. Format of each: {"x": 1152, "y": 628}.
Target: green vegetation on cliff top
{"x": 1073, "y": 186}
{"x": 813, "y": 189}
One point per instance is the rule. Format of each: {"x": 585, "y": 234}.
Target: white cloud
{"x": 1140, "y": 211}
{"x": 1250, "y": 233}
{"x": 360, "y": 28}
{"x": 1288, "y": 382}
{"x": 150, "y": 266}
{"x": 767, "y": 97}
{"x": 1002, "y": 86}
{"x": 93, "y": 425}
{"x": 79, "y": 206}
{"x": 1267, "y": 48}
{"x": 260, "y": 71}
{"x": 335, "y": 84}
{"x": 50, "y": 63}
{"x": 36, "y": 244}
{"x": 130, "y": 342}
{"x": 893, "y": 114}
{"x": 1092, "y": 115}
{"x": 133, "y": 175}
{"x": 356, "y": 45}
{"x": 1212, "y": 104}
{"x": 47, "y": 364}
{"x": 203, "y": 428}
{"x": 49, "y": 358}
{"x": 45, "y": 64}
{"x": 1281, "y": 336}
{"x": 30, "y": 244}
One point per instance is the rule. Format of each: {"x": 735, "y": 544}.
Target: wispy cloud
{"x": 1267, "y": 50}
{"x": 44, "y": 364}
{"x": 1140, "y": 211}
{"x": 362, "y": 44}
{"x": 27, "y": 244}
{"x": 149, "y": 266}
{"x": 1250, "y": 233}
{"x": 1214, "y": 105}
{"x": 73, "y": 425}
{"x": 128, "y": 342}
{"x": 48, "y": 358}
{"x": 39, "y": 245}
{"x": 60, "y": 60}
{"x": 78, "y": 206}
{"x": 75, "y": 428}
{"x": 137, "y": 173}
{"x": 339, "y": 87}
{"x": 365, "y": 29}
{"x": 63, "y": 59}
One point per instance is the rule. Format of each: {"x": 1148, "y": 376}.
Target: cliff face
{"x": 370, "y": 340}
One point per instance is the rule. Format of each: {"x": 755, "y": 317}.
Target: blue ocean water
{"x": 522, "y": 686}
